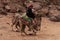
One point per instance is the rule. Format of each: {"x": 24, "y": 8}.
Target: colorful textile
{"x": 24, "y": 16}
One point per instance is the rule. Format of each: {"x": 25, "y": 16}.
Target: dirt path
{"x": 49, "y": 31}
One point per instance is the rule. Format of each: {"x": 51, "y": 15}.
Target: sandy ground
{"x": 49, "y": 31}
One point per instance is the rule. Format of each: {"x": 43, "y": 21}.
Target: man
{"x": 29, "y": 11}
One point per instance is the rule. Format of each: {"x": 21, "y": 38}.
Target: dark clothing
{"x": 29, "y": 13}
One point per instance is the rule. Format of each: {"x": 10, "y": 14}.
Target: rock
{"x": 7, "y": 7}
{"x": 52, "y": 6}
{"x": 45, "y": 10}
{"x": 53, "y": 18}
{"x": 1, "y": 5}
{"x": 58, "y": 7}
{"x": 37, "y": 6}
{"x": 58, "y": 17}
{"x": 54, "y": 12}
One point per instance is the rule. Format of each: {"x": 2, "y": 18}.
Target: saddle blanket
{"x": 24, "y": 16}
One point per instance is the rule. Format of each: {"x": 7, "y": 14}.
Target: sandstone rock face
{"x": 40, "y": 5}
{"x": 37, "y": 6}
{"x": 54, "y": 15}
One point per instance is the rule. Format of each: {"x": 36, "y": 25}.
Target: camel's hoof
{"x": 29, "y": 30}
{"x": 17, "y": 31}
{"x": 32, "y": 34}
{"x": 23, "y": 33}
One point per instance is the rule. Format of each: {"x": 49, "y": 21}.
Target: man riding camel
{"x": 29, "y": 15}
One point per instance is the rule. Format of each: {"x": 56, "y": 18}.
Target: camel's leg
{"x": 34, "y": 32}
{"x": 23, "y": 29}
{"x": 13, "y": 23}
{"x": 39, "y": 24}
{"x": 12, "y": 26}
{"x": 17, "y": 26}
{"x": 30, "y": 27}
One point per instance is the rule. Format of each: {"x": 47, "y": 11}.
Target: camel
{"x": 21, "y": 23}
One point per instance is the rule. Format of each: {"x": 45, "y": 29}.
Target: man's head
{"x": 30, "y": 4}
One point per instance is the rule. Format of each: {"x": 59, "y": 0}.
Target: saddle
{"x": 25, "y": 21}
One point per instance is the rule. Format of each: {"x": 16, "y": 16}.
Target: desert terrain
{"x": 49, "y": 30}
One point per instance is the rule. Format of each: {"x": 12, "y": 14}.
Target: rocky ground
{"x": 49, "y": 30}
